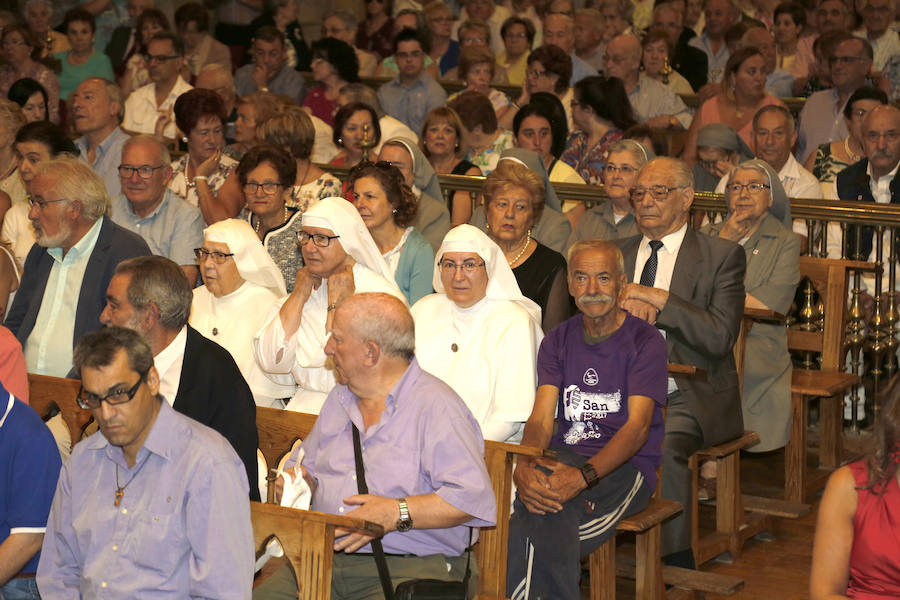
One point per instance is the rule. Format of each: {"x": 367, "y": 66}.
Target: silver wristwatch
{"x": 404, "y": 523}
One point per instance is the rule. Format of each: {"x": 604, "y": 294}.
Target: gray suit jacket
{"x": 701, "y": 320}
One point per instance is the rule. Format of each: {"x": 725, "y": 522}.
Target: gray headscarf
{"x": 424, "y": 177}
{"x": 719, "y": 135}
{"x": 532, "y": 161}
{"x": 781, "y": 205}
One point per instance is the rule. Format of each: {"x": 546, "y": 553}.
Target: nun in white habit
{"x": 479, "y": 334}
{"x": 340, "y": 258}
{"x": 232, "y": 304}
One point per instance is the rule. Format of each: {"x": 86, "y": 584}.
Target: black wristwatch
{"x": 404, "y": 523}
{"x": 589, "y": 474}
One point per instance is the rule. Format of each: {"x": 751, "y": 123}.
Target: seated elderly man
{"x": 652, "y": 101}
{"x": 198, "y": 377}
{"x": 97, "y": 111}
{"x": 66, "y": 272}
{"x": 388, "y": 405}
{"x": 602, "y": 375}
{"x": 146, "y": 206}
{"x": 155, "y": 504}
{"x": 340, "y": 259}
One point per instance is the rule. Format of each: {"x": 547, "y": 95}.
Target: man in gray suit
{"x": 691, "y": 287}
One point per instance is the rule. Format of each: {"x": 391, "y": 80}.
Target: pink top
{"x": 875, "y": 555}
{"x": 321, "y": 106}
{"x": 709, "y": 113}
{"x": 13, "y": 373}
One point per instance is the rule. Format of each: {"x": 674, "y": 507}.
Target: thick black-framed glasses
{"x": 319, "y": 239}
{"x": 218, "y": 257}
{"x": 143, "y": 171}
{"x": 89, "y": 400}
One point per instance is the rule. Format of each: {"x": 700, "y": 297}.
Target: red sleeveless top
{"x": 875, "y": 554}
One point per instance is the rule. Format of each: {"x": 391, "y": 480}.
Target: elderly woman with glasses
{"x": 340, "y": 259}
{"x": 241, "y": 284}
{"x": 759, "y": 219}
{"x": 266, "y": 175}
{"x": 479, "y": 334}
{"x": 21, "y": 52}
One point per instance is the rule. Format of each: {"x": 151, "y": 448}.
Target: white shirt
{"x": 168, "y": 363}
{"x": 232, "y": 321}
{"x": 665, "y": 267}
{"x": 141, "y": 111}
{"x": 883, "y": 47}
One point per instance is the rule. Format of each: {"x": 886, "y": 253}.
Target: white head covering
{"x": 253, "y": 262}
{"x": 501, "y": 284}
{"x": 343, "y": 219}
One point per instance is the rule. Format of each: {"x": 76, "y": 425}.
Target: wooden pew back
{"x": 46, "y": 393}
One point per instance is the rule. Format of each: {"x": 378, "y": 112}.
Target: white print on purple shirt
{"x": 580, "y": 408}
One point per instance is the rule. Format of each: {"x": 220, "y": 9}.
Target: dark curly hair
{"x": 399, "y": 194}
{"x": 79, "y": 15}
{"x": 48, "y": 134}
{"x": 278, "y": 159}
{"x": 195, "y": 104}
{"x": 343, "y": 115}
{"x": 340, "y": 55}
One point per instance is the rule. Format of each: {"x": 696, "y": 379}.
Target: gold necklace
{"x": 522, "y": 251}
{"x": 854, "y": 158}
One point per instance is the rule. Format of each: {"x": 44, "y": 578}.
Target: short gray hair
{"x": 387, "y": 323}
{"x": 596, "y": 244}
{"x": 347, "y": 18}
{"x": 158, "y": 280}
{"x": 360, "y": 92}
{"x": 144, "y": 138}
{"x": 681, "y": 174}
{"x": 75, "y": 180}
{"x": 775, "y": 108}
{"x": 99, "y": 349}
{"x": 639, "y": 152}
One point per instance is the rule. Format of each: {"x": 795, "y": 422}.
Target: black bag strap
{"x": 377, "y": 550}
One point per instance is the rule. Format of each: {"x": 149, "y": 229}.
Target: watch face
{"x": 404, "y": 524}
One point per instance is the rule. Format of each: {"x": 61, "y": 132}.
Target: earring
{"x": 394, "y": 212}
{"x": 184, "y": 139}
{"x": 341, "y": 141}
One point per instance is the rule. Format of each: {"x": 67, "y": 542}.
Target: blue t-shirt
{"x": 29, "y": 470}
{"x": 595, "y": 381}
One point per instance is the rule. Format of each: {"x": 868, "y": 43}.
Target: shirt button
{"x": 103, "y": 584}
{"x": 341, "y": 509}
{"x": 124, "y": 511}
{"x": 354, "y": 477}
{"x": 115, "y": 548}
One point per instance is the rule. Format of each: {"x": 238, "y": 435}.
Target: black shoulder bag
{"x": 414, "y": 589}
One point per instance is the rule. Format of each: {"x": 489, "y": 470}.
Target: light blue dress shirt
{"x": 172, "y": 230}
{"x": 109, "y": 157}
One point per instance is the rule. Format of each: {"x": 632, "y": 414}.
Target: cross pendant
{"x": 119, "y": 493}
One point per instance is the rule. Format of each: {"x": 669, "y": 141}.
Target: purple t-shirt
{"x": 595, "y": 381}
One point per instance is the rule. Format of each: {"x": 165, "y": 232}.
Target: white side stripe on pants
{"x": 596, "y": 527}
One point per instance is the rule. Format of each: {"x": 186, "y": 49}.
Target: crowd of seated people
{"x": 246, "y": 202}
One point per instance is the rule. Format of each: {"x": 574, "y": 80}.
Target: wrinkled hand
{"x": 736, "y": 227}
{"x": 209, "y": 166}
{"x": 708, "y": 91}
{"x": 534, "y": 489}
{"x": 260, "y": 77}
{"x": 163, "y": 120}
{"x": 376, "y": 509}
{"x": 565, "y": 480}
{"x": 305, "y": 283}
{"x": 722, "y": 168}
{"x": 640, "y": 309}
{"x": 340, "y": 286}
{"x": 294, "y": 472}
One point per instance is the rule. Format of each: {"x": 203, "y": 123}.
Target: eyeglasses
{"x": 516, "y": 36}
{"x": 754, "y": 188}
{"x": 844, "y": 60}
{"x": 160, "y": 58}
{"x": 890, "y": 136}
{"x": 89, "y": 400}
{"x": 269, "y": 188}
{"x": 468, "y": 267}
{"x": 610, "y": 169}
{"x": 413, "y": 54}
{"x": 41, "y": 204}
{"x": 535, "y": 73}
{"x": 143, "y": 171}
{"x": 657, "y": 192}
{"x": 218, "y": 257}
{"x": 319, "y": 239}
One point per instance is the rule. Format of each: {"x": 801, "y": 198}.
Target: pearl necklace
{"x": 522, "y": 251}
{"x": 259, "y": 221}
{"x": 854, "y": 158}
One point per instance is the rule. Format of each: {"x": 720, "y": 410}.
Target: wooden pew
{"x": 830, "y": 279}
{"x": 47, "y": 393}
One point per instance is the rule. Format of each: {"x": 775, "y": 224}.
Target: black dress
{"x": 536, "y": 277}
{"x": 459, "y": 169}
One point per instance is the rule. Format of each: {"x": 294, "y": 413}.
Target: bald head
{"x": 623, "y": 56}
{"x": 881, "y": 138}
{"x": 218, "y": 79}
{"x": 381, "y": 319}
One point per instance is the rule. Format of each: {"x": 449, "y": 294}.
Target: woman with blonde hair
{"x": 443, "y": 142}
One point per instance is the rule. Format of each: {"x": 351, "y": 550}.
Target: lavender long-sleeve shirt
{"x": 181, "y": 530}
{"x": 426, "y": 442}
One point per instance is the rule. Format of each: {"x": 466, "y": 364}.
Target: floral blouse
{"x": 185, "y": 189}
{"x": 589, "y": 162}
{"x": 487, "y": 160}
{"x": 304, "y": 196}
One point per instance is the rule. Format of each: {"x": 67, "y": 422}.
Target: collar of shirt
{"x": 83, "y": 247}
{"x": 404, "y": 385}
{"x": 164, "y": 440}
{"x": 103, "y": 146}
{"x": 420, "y": 81}
{"x": 881, "y": 188}
{"x": 790, "y": 170}
{"x": 168, "y": 355}
{"x": 671, "y": 242}
{"x": 133, "y": 216}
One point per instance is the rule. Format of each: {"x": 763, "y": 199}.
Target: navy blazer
{"x": 114, "y": 244}
{"x": 213, "y": 391}
{"x": 701, "y": 319}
